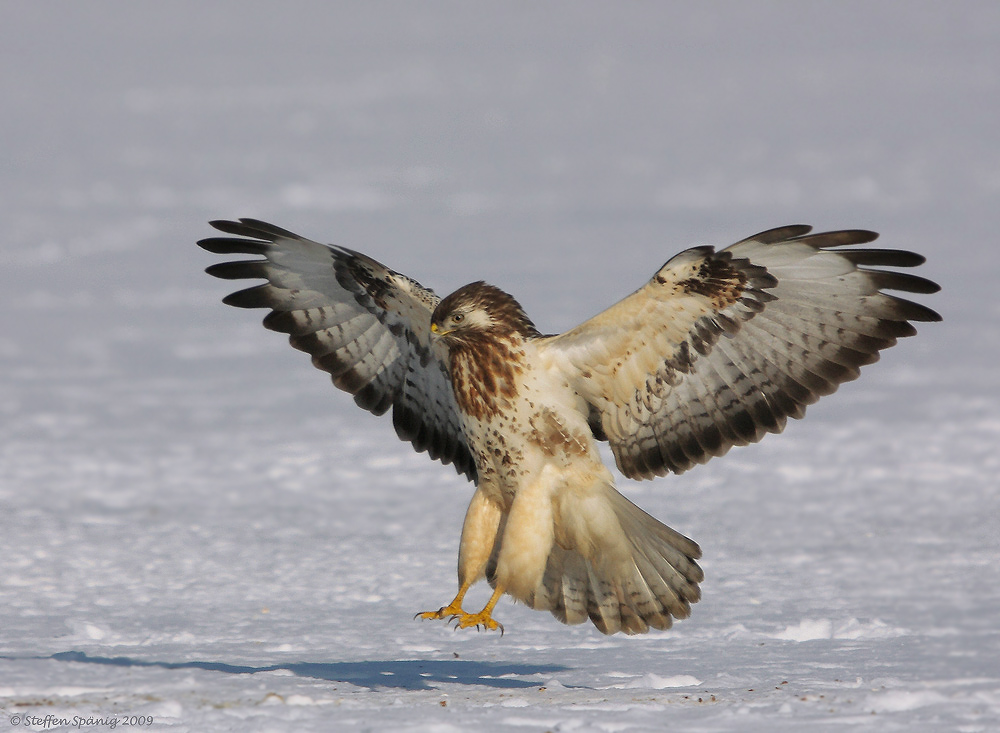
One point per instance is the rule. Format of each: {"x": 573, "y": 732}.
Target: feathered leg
{"x": 479, "y": 533}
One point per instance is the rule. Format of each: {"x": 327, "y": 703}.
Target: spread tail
{"x": 643, "y": 583}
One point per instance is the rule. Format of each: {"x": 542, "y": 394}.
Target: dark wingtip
{"x": 239, "y": 270}
{"x": 225, "y": 225}
{"x": 253, "y": 228}
{"x": 927, "y": 315}
{"x": 780, "y": 234}
{"x": 266, "y": 230}
{"x": 905, "y": 282}
{"x": 841, "y": 238}
{"x": 255, "y": 297}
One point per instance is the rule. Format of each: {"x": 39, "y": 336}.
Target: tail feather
{"x": 564, "y": 587}
{"x": 570, "y": 588}
{"x": 602, "y": 606}
{"x": 655, "y": 584}
{"x": 667, "y": 598}
{"x": 645, "y": 592}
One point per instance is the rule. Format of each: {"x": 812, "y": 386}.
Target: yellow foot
{"x": 450, "y": 611}
{"x": 482, "y": 619}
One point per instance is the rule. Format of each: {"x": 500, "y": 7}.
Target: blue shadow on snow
{"x": 410, "y": 674}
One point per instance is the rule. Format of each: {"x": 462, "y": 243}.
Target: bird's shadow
{"x": 409, "y": 674}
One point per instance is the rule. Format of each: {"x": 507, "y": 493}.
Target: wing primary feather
{"x": 239, "y": 270}
{"x": 904, "y": 281}
{"x": 258, "y": 296}
{"x": 779, "y": 234}
{"x": 882, "y": 257}
{"x": 840, "y": 238}
{"x": 230, "y": 246}
{"x": 254, "y": 228}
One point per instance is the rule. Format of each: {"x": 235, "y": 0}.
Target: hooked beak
{"x": 436, "y": 330}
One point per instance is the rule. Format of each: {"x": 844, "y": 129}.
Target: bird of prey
{"x": 718, "y": 349}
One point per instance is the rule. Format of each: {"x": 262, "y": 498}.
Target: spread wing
{"x": 368, "y": 326}
{"x": 720, "y": 348}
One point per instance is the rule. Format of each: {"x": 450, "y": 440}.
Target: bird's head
{"x": 477, "y": 310}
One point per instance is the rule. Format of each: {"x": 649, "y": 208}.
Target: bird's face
{"x": 478, "y": 311}
{"x": 460, "y": 318}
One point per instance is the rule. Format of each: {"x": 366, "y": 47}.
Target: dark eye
{"x": 457, "y": 318}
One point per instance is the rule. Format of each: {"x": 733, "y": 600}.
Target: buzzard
{"x": 716, "y": 350}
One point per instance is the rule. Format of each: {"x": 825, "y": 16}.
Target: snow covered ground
{"x": 200, "y": 531}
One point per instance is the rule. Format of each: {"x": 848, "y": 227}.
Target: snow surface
{"x": 198, "y": 528}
